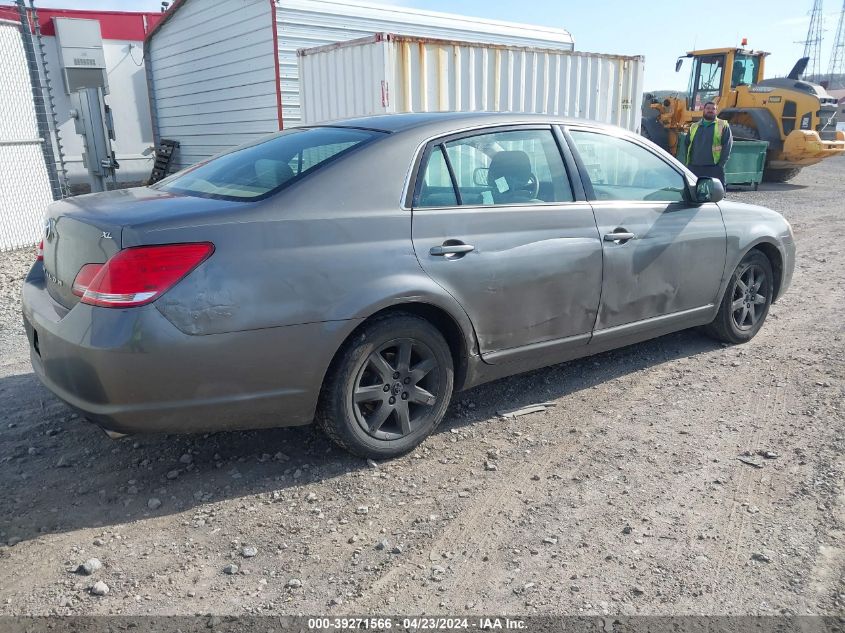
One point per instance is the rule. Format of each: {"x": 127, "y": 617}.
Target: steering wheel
{"x": 531, "y": 187}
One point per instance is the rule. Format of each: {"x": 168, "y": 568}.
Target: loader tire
{"x": 744, "y": 133}
{"x": 780, "y": 175}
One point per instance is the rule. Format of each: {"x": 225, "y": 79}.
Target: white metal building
{"x": 223, "y": 72}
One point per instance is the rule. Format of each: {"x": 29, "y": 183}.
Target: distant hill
{"x": 662, "y": 94}
{"x": 837, "y": 83}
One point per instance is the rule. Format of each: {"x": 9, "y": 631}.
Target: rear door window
{"x": 512, "y": 167}
{"x": 436, "y": 189}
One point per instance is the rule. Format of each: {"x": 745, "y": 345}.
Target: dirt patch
{"x": 627, "y": 497}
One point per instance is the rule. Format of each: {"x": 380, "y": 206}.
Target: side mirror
{"x": 479, "y": 176}
{"x": 709, "y": 190}
{"x": 679, "y": 63}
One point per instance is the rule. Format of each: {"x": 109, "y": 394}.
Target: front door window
{"x": 622, "y": 170}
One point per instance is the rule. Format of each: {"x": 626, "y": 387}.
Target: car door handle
{"x": 619, "y": 237}
{"x": 451, "y": 249}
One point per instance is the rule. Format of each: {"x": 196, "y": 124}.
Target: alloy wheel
{"x": 748, "y": 302}
{"x": 396, "y": 388}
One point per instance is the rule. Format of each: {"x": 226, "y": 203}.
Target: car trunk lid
{"x": 89, "y": 229}
{"x": 70, "y": 242}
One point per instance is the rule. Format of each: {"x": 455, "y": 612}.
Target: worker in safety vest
{"x": 710, "y": 143}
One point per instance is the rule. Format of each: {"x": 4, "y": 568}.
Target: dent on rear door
{"x": 534, "y": 276}
{"x": 531, "y": 271}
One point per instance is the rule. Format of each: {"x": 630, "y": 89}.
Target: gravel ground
{"x": 627, "y": 497}
{"x": 13, "y": 344}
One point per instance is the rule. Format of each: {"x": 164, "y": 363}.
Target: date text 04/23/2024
{"x": 419, "y": 624}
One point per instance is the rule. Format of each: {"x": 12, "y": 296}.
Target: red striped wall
{"x": 114, "y": 25}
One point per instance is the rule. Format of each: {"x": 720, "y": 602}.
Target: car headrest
{"x": 269, "y": 173}
{"x": 513, "y": 166}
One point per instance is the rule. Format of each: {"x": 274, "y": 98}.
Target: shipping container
{"x": 223, "y": 72}
{"x": 388, "y": 73}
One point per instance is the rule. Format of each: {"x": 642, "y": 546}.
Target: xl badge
{"x": 106, "y": 235}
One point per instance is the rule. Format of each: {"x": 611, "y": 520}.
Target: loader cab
{"x": 706, "y": 80}
{"x": 716, "y": 73}
{"x": 745, "y": 70}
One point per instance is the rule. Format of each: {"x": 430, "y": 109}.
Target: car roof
{"x": 414, "y": 120}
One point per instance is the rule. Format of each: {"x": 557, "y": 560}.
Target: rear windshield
{"x": 258, "y": 170}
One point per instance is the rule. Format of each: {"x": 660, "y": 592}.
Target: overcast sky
{"x": 659, "y": 30}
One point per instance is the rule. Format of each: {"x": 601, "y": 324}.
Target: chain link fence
{"x": 28, "y": 177}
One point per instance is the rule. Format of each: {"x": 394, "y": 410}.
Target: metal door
{"x": 526, "y": 267}
{"x": 662, "y": 254}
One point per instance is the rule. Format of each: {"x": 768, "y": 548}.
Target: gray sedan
{"x": 360, "y": 272}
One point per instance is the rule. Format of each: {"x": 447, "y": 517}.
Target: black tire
{"x": 744, "y": 133}
{"x": 746, "y": 302}
{"x": 780, "y": 175}
{"x": 400, "y": 367}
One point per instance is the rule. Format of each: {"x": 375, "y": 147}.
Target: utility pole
{"x": 836, "y": 71}
{"x": 813, "y": 43}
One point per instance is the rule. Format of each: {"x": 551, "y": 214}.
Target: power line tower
{"x": 813, "y": 43}
{"x": 836, "y": 71}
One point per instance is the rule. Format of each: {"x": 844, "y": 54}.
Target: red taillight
{"x": 85, "y": 277}
{"x": 139, "y": 275}
{"x": 39, "y": 252}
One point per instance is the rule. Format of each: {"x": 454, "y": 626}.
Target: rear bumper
{"x": 132, "y": 371}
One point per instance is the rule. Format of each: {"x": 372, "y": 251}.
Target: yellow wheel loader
{"x": 796, "y": 117}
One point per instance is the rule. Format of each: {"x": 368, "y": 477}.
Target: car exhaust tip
{"x": 114, "y": 435}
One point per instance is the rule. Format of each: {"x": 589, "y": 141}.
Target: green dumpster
{"x": 744, "y": 167}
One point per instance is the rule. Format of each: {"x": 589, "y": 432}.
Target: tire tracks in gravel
{"x": 825, "y": 580}
{"x": 801, "y": 345}
{"x": 769, "y": 407}
{"x": 480, "y": 526}
{"x": 485, "y": 525}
